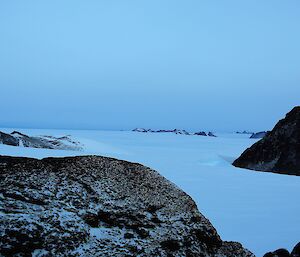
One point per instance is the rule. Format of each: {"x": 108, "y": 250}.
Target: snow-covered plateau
{"x": 258, "y": 209}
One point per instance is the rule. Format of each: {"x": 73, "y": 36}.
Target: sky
{"x": 197, "y": 65}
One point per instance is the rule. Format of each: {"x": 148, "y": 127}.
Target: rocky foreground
{"x": 278, "y": 151}
{"x": 97, "y": 206}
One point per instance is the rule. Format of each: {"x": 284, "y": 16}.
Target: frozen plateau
{"x": 260, "y": 210}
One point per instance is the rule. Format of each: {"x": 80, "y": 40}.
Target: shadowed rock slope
{"x": 98, "y": 206}
{"x": 48, "y": 142}
{"x": 278, "y": 151}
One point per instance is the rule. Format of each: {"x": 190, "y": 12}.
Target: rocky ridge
{"x": 48, "y": 142}
{"x": 175, "y": 131}
{"x": 99, "y": 206}
{"x": 278, "y": 151}
{"x": 245, "y": 132}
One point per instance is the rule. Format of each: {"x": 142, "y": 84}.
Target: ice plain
{"x": 260, "y": 210}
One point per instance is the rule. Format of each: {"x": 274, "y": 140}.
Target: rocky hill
{"x": 278, "y": 151}
{"x": 98, "y": 206}
{"x": 48, "y": 142}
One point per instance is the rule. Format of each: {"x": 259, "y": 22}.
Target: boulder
{"x": 99, "y": 206}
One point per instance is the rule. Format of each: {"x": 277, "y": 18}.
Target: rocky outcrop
{"x": 278, "y": 151}
{"x": 260, "y": 134}
{"x": 48, "y": 142}
{"x": 142, "y": 130}
{"x": 245, "y": 132}
{"x": 210, "y": 134}
{"x": 200, "y": 133}
{"x": 285, "y": 253}
{"x": 98, "y": 206}
{"x": 174, "y": 131}
{"x": 8, "y": 139}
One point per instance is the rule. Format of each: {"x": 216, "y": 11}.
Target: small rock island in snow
{"x": 175, "y": 131}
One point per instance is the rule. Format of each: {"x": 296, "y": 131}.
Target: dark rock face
{"x": 48, "y": 142}
{"x": 259, "y": 134}
{"x": 285, "y": 253}
{"x": 278, "y": 151}
{"x": 97, "y": 206}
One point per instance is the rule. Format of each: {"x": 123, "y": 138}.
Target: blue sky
{"x": 215, "y": 65}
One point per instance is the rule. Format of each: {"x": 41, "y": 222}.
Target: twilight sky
{"x": 211, "y": 65}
